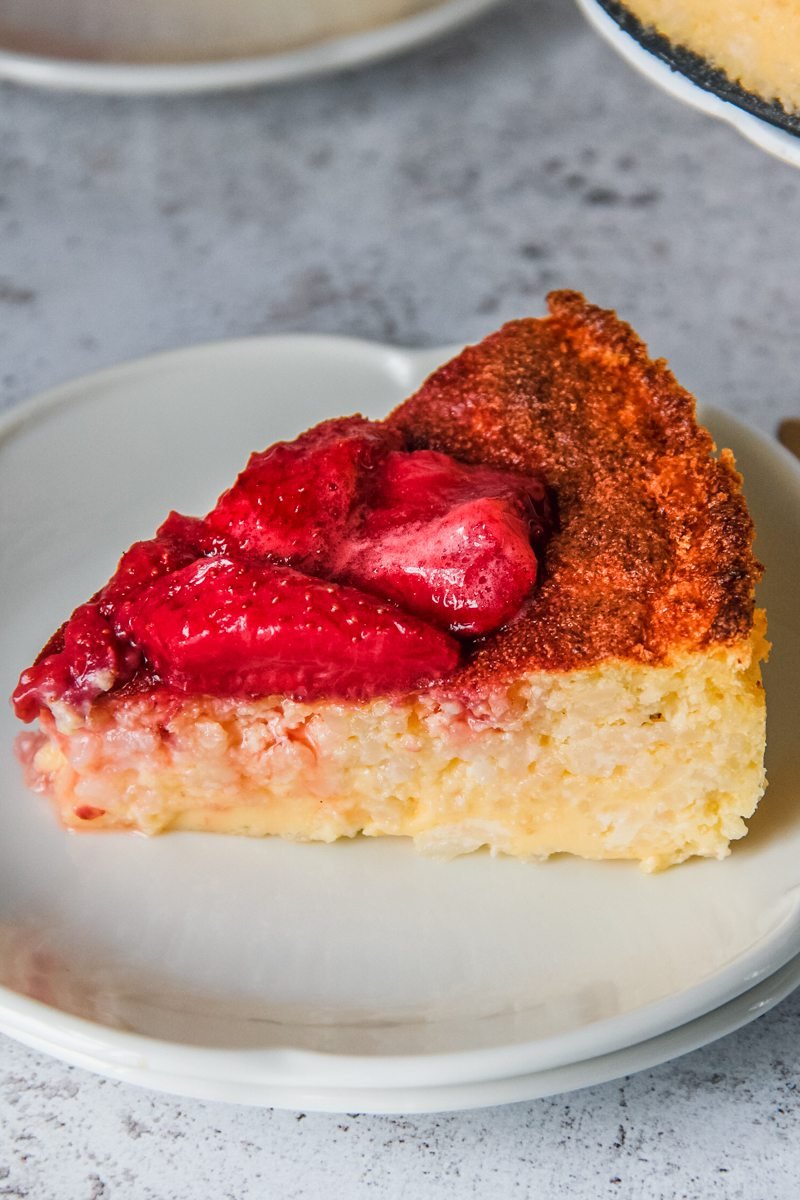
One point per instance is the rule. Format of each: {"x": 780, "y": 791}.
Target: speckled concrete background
{"x": 418, "y": 201}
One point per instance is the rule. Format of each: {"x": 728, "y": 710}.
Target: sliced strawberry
{"x": 143, "y": 563}
{"x": 90, "y": 654}
{"x": 448, "y": 541}
{"x": 293, "y": 501}
{"x": 241, "y": 629}
{"x": 214, "y": 605}
{"x": 424, "y": 484}
{"x": 467, "y": 571}
{"x": 193, "y": 533}
{"x": 91, "y": 661}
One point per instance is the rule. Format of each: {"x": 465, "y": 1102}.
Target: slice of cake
{"x": 518, "y": 613}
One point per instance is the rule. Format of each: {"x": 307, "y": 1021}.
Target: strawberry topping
{"x": 448, "y": 541}
{"x": 91, "y": 660}
{"x": 90, "y": 654}
{"x": 293, "y": 501}
{"x": 338, "y": 565}
{"x": 142, "y": 565}
{"x": 239, "y": 629}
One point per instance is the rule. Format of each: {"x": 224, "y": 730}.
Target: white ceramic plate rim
{"x": 115, "y": 1050}
{"x": 775, "y": 141}
{"x": 485, "y": 1093}
{"x": 319, "y": 58}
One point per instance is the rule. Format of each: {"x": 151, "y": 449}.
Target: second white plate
{"x": 247, "y": 964}
{"x": 447, "y": 1097}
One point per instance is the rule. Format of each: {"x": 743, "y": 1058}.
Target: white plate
{"x": 317, "y": 58}
{"x": 777, "y": 142}
{"x": 532, "y": 1086}
{"x": 245, "y": 965}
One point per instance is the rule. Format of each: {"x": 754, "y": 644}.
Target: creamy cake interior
{"x": 616, "y": 761}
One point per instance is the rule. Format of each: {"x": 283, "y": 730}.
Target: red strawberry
{"x": 448, "y": 541}
{"x": 243, "y": 629}
{"x": 91, "y": 661}
{"x": 143, "y": 563}
{"x": 90, "y": 655}
{"x": 292, "y": 501}
{"x": 193, "y": 533}
{"x": 424, "y": 484}
{"x": 452, "y": 544}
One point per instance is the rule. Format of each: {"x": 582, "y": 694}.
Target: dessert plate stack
{"x": 357, "y": 976}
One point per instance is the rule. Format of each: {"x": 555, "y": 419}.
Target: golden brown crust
{"x": 654, "y": 553}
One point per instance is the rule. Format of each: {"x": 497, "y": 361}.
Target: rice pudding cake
{"x": 518, "y": 613}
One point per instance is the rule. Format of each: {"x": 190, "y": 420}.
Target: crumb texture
{"x": 624, "y": 761}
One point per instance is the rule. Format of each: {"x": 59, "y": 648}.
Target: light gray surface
{"x": 420, "y": 201}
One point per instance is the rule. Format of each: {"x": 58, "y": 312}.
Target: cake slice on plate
{"x": 518, "y": 613}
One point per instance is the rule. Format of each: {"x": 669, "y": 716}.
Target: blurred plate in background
{"x": 205, "y": 45}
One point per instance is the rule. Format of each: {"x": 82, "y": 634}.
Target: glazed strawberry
{"x": 448, "y": 541}
{"x": 84, "y": 660}
{"x": 233, "y": 603}
{"x": 243, "y": 629}
{"x": 193, "y": 533}
{"x": 423, "y": 484}
{"x": 293, "y": 501}
{"x": 143, "y": 563}
{"x": 90, "y": 654}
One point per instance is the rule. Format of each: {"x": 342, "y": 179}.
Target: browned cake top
{"x": 654, "y": 551}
